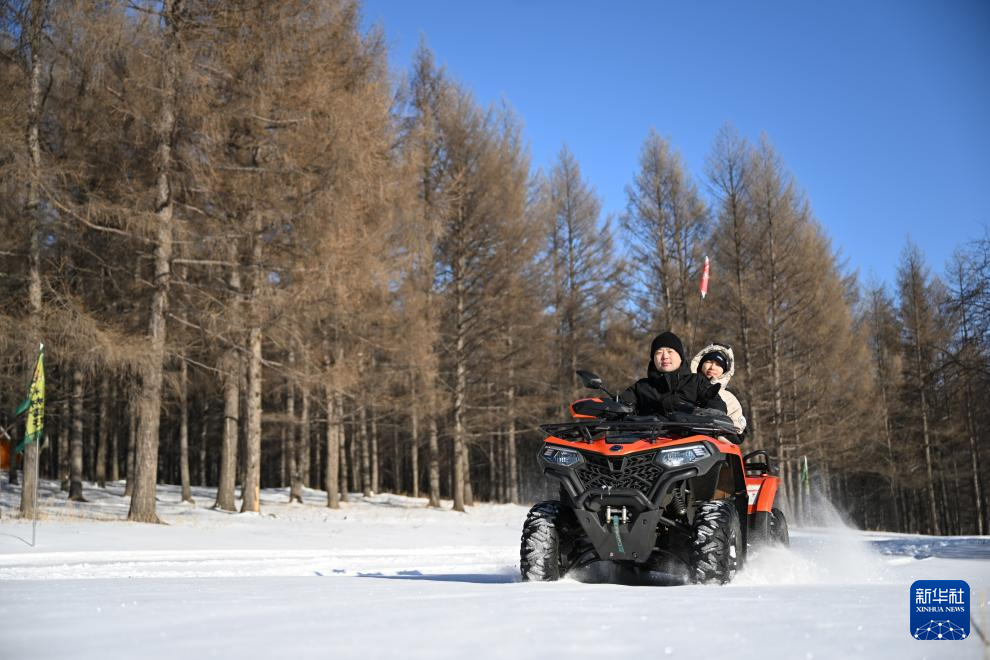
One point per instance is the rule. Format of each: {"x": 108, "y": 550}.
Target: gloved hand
{"x": 707, "y": 395}
{"x": 672, "y": 402}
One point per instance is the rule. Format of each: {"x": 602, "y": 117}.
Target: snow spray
{"x": 827, "y": 550}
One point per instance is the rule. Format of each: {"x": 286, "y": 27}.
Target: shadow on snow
{"x": 470, "y": 578}
{"x": 951, "y": 547}
{"x": 597, "y": 573}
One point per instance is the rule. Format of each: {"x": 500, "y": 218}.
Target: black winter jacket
{"x": 677, "y": 391}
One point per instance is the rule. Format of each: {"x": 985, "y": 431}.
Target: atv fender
{"x": 725, "y": 481}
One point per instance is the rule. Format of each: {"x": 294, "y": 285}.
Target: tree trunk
{"x": 32, "y": 210}
{"x": 354, "y": 457}
{"x": 955, "y": 507}
{"x": 345, "y": 449}
{"x": 184, "y": 430}
{"x": 115, "y": 435}
{"x": 512, "y": 468}
{"x": 376, "y": 485}
{"x": 932, "y": 509}
{"x": 468, "y": 489}
{"x": 970, "y": 422}
{"x": 63, "y": 441}
{"x": 880, "y": 354}
{"x": 12, "y": 438}
{"x": 799, "y": 498}
{"x": 678, "y": 232}
{"x": 283, "y": 455}
{"x": 974, "y": 456}
{"x": 558, "y": 307}
{"x": 664, "y": 261}
{"x": 318, "y": 475}
{"x": 333, "y": 447}
{"x": 251, "y": 492}
{"x": 944, "y": 513}
{"x": 885, "y": 409}
{"x": 204, "y": 428}
{"x": 492, "y": 467}
{"x": 907, "y": 506}
{"x": 503, "y": 464}
{"x": 304, "y": 448}
{"x": 434, "y": 458}
{"x": 131, "y": 447}
{"x": 736, "y": 210}
{"x": 396, "y": 462}
{"x": 242, "y": 389}
{"x": 922, "y": 376}
{"x": 414, "y": 445}
{"x": 103, "y": 425}
{"x": 776, "y": 389}
{"x": 365, "y": 453}
{"x": 89, "y": 446}
{"x": 149, "y": 402}
{"x": 230, "y": 368}
{"x": 460, "y": 384}
{"x": 294, "y": 440}
{"x": 76, "y": 443}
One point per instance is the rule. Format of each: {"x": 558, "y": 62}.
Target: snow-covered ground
{"x": 385, "y": 577}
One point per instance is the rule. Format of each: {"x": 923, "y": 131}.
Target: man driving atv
{"x": 716, "y": 363}
{"x": 669, "y": 385}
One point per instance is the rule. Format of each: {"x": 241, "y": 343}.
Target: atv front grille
{"x": 636, "y": 471}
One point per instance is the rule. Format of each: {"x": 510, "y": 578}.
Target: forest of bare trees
{"x": 260, "y": 258}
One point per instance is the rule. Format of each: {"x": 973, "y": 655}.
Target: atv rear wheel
{"x": 717, "y": 549}
{"x": 539, "y": 556}
{"x": 768, "y": 528}
{"x": 778, "y": 528}
{"x": 760, "y": 529}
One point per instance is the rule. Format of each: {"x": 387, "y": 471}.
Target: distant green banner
{"x": 34, "y": 405}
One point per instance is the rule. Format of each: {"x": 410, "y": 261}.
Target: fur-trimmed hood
{"x": 724, "y": 350}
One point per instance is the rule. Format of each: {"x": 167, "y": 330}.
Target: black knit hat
{"x": 668, "y": 340}
{"x": 718, "y": 357}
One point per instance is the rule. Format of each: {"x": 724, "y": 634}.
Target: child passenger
{"x": 715, "y": 363}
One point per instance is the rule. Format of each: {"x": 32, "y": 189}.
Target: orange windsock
{"x": 704, "y": 279}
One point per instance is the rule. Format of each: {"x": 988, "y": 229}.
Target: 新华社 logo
{"x": 940, "y": 610}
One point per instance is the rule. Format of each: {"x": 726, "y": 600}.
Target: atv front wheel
{"x": 717, "y": 549}
{"x": 539, "y": 556}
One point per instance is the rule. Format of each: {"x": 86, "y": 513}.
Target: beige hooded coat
{"x": 731, "y": 402}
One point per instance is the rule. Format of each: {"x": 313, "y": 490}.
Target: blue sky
{"x": 881, "y": 109}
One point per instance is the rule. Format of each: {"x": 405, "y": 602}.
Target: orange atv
{"x": 671, "y": 494}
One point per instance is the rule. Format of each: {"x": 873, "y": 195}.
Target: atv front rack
{"x": 624, "y": 431}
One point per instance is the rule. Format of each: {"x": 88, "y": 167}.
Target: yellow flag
{"x": 35, "y": 404}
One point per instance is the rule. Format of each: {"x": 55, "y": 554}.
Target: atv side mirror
{"x": 589, "y": 379}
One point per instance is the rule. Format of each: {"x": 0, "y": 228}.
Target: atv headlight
{"x": 561, "y": 456}
{"x": 678, "y": 456}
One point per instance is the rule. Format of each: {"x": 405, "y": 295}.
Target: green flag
{"x": 34, "y": 405}
{"x": 804, "y": 470}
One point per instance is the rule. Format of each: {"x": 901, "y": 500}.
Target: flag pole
{"x": 34, "y": 521}
{"x": 37, "y": 469}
